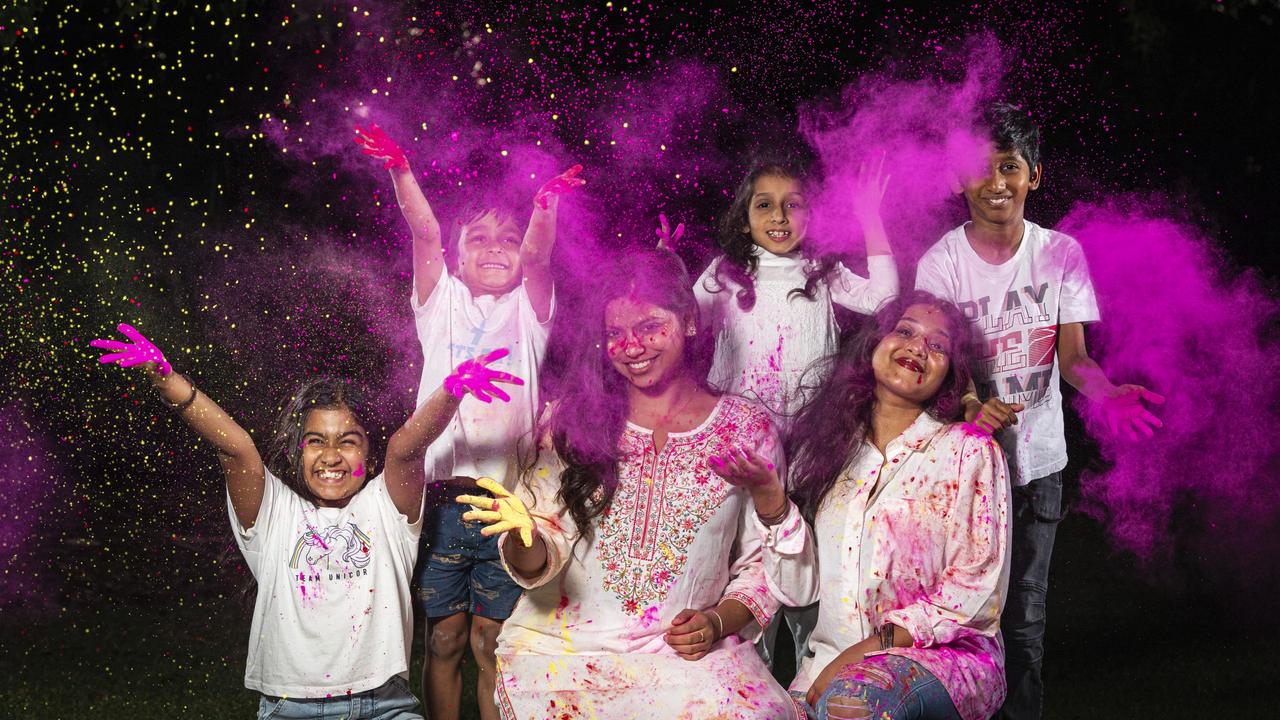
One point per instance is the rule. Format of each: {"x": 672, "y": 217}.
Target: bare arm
{"x": 241, "y": 464}
{"x": 1077, "y": 367}
{"x": 406, "y": 476}
{"x": 535, "y": 257}
{"x": 868, "y": 194}
{"x": 1120, "y": 406}
{"x": 540, "y": 240}
{"x": 428, "y": 251}
{"x": 407, "y": 450}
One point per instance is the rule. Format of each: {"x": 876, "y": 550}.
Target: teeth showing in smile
{"x": 330, "y": 474}
{"x": 492, "y": 266}
{"x": 779, "y": 234}
{"x": 641, "y": 365}
{"x": 997, "y": 201}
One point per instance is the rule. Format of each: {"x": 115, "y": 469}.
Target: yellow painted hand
{"x": 503, "y": 511}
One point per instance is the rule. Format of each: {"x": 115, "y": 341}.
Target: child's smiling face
{"x": 334, "y": 455}
{"x": 778, "y": 215}
{"x": 489, "y": 255}
{"x": 1000, "y": 197}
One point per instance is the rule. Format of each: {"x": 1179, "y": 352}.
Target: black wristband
{"x": 185, "y": 403}
{"x": 886, "y": 636}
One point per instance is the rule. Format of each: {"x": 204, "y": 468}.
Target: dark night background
{"x": 143, "y": 181}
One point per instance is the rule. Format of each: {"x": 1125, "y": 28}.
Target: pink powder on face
{"x": 1180, "y": 320}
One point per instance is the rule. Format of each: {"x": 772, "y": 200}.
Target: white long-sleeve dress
{"x": 762, "y": 353}
{"x": 586, "y": 640}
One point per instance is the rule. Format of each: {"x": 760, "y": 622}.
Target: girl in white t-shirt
{"x": 770, "y": 299}
{"x": 332, "y": 550}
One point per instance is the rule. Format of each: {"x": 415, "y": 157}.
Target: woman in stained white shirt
{"x": 643, "y": 568}
{"x": 908, "y": 552}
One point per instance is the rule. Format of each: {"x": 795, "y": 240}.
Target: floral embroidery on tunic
{"x": 662, "y": 502}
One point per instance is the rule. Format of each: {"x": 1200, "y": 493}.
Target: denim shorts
{"x": 458, "y": 568}
{"x": 391, "y": 701}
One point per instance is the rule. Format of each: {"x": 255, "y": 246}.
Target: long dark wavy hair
{"x": 830, "y": 429}
{"x": 284, "y": 453}
{"x": 590, "y": 411}
{"x": 740, "y": 260}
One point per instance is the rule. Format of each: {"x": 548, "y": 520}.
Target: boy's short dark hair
{"x": 502, "y": 209}
{"x": 1011, "y": 128}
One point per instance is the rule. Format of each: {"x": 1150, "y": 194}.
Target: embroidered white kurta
{"x": 918, "y": 538}
{"x": 586, "y": 640}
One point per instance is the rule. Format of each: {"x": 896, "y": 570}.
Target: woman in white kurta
{"x": 908, "y": 554}
{"x": 644, "y": 574}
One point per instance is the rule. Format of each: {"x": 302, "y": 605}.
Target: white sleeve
{"x": 866, "y": 295}
{"x": 252, "y": 541}
{"x": 790, "y": 559}
{"x": 1077, "y": 302}
{"x": 555, "y": 524}
{"x": 934, "y": 274}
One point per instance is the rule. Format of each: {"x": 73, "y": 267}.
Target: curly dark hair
{"x": 831, "y": 427}
{"x": 740, "y": 261}
{"x": 284, "y": 453}
{"x": 1011, "y": 128}
{"x": 590, "y": 411}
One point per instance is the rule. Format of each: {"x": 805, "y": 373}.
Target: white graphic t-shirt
{"x": 454, "y": 326}
{"x": 333, "y": 614}
{"x": 1018, "y": 307}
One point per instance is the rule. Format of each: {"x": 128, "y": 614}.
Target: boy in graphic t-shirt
{"x": 1027, "y": 289}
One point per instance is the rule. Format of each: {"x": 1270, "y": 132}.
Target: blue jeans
{"x": 1037, "y": 508}
{"x": 391, "y": 701}
{"x": 883, "y": 687}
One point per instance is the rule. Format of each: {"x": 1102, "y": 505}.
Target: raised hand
{"x": 743, "y": 467}
{"x": 502, "y": 512}
{"x": 868, "y": 190}
{"x": 666, "y": 239}
{"x": 376, "y": 143}
{"x": 140, "y": 352}
{"x": 474, "y": 377}
{"x": 1125, "y": 414}
{"x": 565, "y": 182}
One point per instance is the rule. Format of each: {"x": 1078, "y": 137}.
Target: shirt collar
{"x": 920, "y": 433}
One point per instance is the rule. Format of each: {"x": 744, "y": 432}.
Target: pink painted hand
{"x": 474, "y": 377}
{"x": 743, "y": 467}
{"x": 666, "y": 239}
{"x": 565, "y": 182}
{"x": 502, "y": 512}
{"x": 868, "y": 191}
{"x": 1125, "y": 414}
{"x": 140, "y": 352}
{"x": 376, "y": 143}
{"x": 994, "y": 415}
